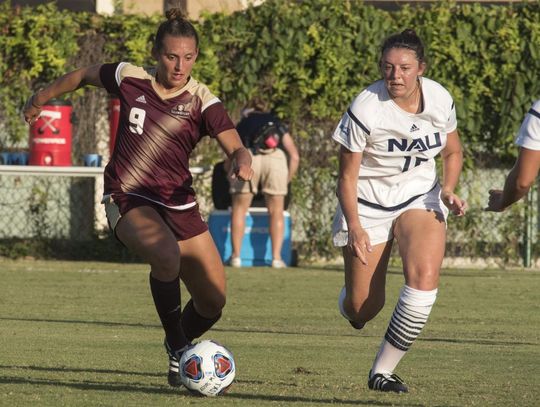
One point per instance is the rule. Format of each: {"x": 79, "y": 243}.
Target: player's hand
{"x": 454, "y": 203}
{"x": 359, "y": 244}
{"x": 30, "y": 111}
{"x": 495, "y": 201}
{"x": 242, "y": 172}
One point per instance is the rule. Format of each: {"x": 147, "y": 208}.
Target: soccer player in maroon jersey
{"x": 149, "y": 201}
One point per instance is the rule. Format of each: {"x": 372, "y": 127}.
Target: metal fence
{"x": 508, "y": 238}
{"x": 63, "y": 204}
{"x": 50, "y": 202}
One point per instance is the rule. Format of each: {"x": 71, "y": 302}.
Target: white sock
{"x": 409, "y": 317}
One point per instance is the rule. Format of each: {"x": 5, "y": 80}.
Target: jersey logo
{"x": 182, "y": 110}
{"x": 414, "y": 127}
{"x": 141, "y": 99}
{"x": 344, "y": 129}
{"x": 418, "y": 144}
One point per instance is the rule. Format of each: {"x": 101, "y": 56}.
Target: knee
{"x": 211, "y": 306}
{"x": 238, "y": 212}
{"x": 166, "y": 265}
{"x": 425, "y": 279}
{"x": 275, "y": 213}
{"x": 217, "y": 304}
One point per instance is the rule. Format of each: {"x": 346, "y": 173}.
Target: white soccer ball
{"x": 207, "y": 368}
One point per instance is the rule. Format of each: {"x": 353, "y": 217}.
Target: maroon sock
{"x": 167, "y": 300}
{"x": 194, "y": 324}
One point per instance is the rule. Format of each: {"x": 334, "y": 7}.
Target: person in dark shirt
{"x": 275, "y": 162}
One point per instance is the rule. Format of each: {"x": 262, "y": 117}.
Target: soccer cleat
{"x": 357, "y": 325}
{"x": 354, "y": 324}
{"x": 278, "y": 264}
{"x": 387, "y": 382}
{"x": 174, "y": 364}
{"x": 235, "y": 262}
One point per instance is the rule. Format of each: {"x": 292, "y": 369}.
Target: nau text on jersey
{"x": 420, "y": 144}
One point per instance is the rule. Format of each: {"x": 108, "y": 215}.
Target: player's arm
{"x": 292, "y": 153}
{"x": 66, "y": 83}
{"x": 349, "y": 168}
{"x": 237, "y": 155}
{"x": 518, "y": 182}
{"x": 452, "y": 160}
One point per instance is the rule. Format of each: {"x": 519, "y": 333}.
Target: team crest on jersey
{"x": 182, "y": 109}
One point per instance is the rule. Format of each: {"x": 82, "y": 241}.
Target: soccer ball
{"x": 207, "y": 368}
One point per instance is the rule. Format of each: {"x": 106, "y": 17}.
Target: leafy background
{"x": 307, "y": 59}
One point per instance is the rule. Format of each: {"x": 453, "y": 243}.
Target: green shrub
{"x": 308, "y": 59}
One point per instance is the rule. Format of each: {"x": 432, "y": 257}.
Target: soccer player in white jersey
{"x": 388, "y": 189}
{"x": 522, "y": 176}
{"x": 149, "y": 201}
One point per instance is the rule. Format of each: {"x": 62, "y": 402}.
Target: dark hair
{"x": 406, "y": 39}
{"x": 259, "y": 104}
{"x": 177, "y": 26}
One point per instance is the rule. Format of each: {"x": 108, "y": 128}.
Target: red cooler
{"x": 50, "y": 135}
{"x": 114, "y": 118}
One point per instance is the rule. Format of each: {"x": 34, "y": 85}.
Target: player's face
{"x": 175, "y": 60}
{"x": 400, "y": 69}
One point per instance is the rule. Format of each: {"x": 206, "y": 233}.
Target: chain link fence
{"x": 47, "y": 207}
{"x": 503, "y": 239}
{"x": 54, "y": 214}
{"x": 61, "y": 215}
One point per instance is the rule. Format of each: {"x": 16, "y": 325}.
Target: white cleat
{"x": 278, "y": 264}
{"x": 235, "y": 262}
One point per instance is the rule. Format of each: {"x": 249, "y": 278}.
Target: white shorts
{"x": 379, "y": 223}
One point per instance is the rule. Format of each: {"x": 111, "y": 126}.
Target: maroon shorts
{"x": 184, "y": 224}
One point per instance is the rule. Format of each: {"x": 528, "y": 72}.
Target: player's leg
{"x": 240, "y": 206}
{"x": 276, "y": 223}
{"x": 421, "y": 239}
{"x": 242, "y": 193}
{"x": 144, "y": 232}
{"x": 364, "y": 293}
{"x": 274, "y": 180}
{"x": 204, "y": 276}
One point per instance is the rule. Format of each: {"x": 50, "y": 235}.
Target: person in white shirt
{"x": 388, "y": 189}
{"x": 522, "y": 176}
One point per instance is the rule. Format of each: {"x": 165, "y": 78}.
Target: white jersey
{"x": 398, "y": 147}
{"x": 529, "y": 133}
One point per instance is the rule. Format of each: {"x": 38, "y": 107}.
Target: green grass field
{"x": 75, "y": 333}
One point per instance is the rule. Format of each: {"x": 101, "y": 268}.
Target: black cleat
{"x": 356, "y": 325}
{"x": 174, "y": 365}
{"x": 387, "y": 382}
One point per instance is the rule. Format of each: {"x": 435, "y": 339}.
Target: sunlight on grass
{"x": 77, "y": 333}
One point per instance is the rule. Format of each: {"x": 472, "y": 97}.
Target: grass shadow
{"x": 136, "y": 388}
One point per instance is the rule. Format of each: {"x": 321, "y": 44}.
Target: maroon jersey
{"x": 157, "y": 133}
